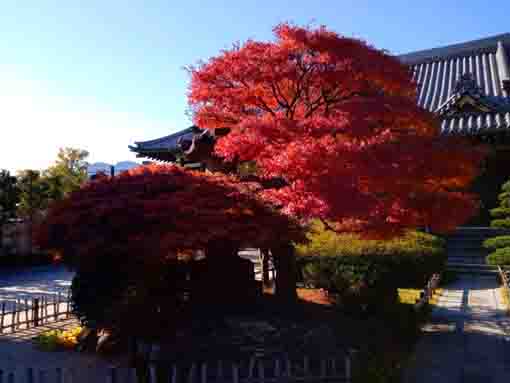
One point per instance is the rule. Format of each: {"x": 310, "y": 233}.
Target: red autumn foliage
{"x": 159, "y": 212}
{"x": 337, "y": 120}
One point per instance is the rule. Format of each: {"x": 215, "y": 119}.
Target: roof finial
{"x": 503, "y": 68}
{"x": 467, "y": 83}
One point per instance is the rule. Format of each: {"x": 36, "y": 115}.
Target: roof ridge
{"x": 160, "y": 139}
{"x": 456, "y": 49}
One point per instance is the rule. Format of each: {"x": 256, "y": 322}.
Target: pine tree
{"x": 500, "y": 245}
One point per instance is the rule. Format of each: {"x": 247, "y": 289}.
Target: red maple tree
{"x": 159, "y": 212}
{"x": 157, "y": 215}
{"x": 337, "y": 120}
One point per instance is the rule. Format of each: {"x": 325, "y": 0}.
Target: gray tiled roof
{"x": 164, "y": 143}
{"x": 437, "y": 70}
{"x": 476, "y": 124}
{"x": 455, "y": 50}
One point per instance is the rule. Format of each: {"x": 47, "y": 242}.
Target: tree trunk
{"x": 264, "y": 263}
{"x": 285, "y": 264}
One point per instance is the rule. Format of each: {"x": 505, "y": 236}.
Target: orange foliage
{"x": 337, "y": 120}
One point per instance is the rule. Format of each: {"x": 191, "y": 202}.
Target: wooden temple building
{"x": 467, "y": 85}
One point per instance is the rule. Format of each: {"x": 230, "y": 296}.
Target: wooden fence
{"x": 428, "y": 291}
{"x": 33, "y": 312}
{"x": 334, "y": 369}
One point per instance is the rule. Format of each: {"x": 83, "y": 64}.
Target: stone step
{"x": 470, "y": 237}
{"x": 472, "y": 268}
{"x": 466, "y": 261}
{"x": 466, "y": 254}
{"x": 478, "y": 234}
{"x": 465, "y": 250}
{"x": 463, "y": 240}
{"x": 468, "y": 251}
{"x": 480, "y": 229}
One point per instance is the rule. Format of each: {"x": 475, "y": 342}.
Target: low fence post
{"x": 68, "y": 310}
{"x": 36, "y": 312}
{"x": 348, "y": 369}
{"x": 2, "y": 318}
{"x": 26, "y": 313}
{"x": 13, "y": 318}
{"x": 235, "y": 373}
{"x": 18, "y": 309}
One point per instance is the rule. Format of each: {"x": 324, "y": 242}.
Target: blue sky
{"x": 101, "y": 74}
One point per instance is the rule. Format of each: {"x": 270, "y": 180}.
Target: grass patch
{"x": 411, "y": 296}
{"x": 505, "y": 298}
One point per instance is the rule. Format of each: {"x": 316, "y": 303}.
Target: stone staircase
{"x": 465, "y": 251}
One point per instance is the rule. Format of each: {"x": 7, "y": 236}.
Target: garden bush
{"x": 499, "y": 257}
{"x": 497, "y": 242}
{"x": 408, "y": 261}
{"x": 328, "y": 243}
{"x": 368, "y": 272}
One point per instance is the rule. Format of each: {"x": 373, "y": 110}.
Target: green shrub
{"x": 501, "y": 223}
{"x": 365, "y": 274}
{"x": 368, "y": 280}
{"x": 497, "y": 242}
{"x": 327, "y": 243}
{"x": 499, "y": 257}
{"x": 501, "y": 243}
{"x": 328, "y": 259}
{"x": 500, "y": 212}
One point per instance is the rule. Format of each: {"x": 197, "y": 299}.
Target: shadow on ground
{"x": 466, "y": 340}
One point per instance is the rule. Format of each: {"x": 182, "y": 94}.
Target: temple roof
{"x": 166, "y": 148}
{"x": 438, "y": 71}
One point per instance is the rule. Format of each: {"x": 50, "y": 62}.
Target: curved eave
{"x": 162, "y": 140}
{"x": 154, "y": 154}
{"x": 473, "y": 125}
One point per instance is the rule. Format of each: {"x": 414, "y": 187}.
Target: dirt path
{"x": 468, "y": 338}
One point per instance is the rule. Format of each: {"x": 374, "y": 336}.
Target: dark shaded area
{"x": 495, "y": 172}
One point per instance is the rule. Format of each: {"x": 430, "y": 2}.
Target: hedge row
{"x": 406, "y": 261}
{"x": 388, "y": 271}
{"x": 324, "y": 242}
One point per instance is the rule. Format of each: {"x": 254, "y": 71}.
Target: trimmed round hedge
{"x": 497, "y": 242}
{"x": 499, "y": 257}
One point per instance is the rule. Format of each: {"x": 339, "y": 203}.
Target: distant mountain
{"x": 125, "y": 165}
{"x": 98, "y": 167}
{"x": 103, "y": 167}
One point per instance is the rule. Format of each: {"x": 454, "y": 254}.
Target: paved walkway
{"x": 18, "y": 352}
{"x": 468, "y": 338}
{"x": 33, "y": 282}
